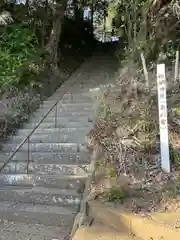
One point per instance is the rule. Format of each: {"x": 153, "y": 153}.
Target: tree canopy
{"x": 34, "y": 33}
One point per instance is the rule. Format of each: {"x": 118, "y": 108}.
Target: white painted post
{"x": 176, "y": 66}
{"x": 163, "y": 124}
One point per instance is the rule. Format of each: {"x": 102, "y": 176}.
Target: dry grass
{"x": 127, "y": 128}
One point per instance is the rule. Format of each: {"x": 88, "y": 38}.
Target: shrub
{"x": 178, "y": 185}
{"x": 18, "y": 45}
{"x": 116, "y": 194}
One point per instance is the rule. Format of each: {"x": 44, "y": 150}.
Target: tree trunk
{"x": 53, "y": 43}
{"x": 92, "y": 18}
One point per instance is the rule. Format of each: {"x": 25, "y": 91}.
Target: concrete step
{"x": 20, "y": 231}
{"x": 75, "y": 90}
{"x": 68, "y": 130}
{"x": 15, "y": 167}
{"x": 84, "y": 90}
{"x": 45, "y": 125}
{"x": 77, "y": 137}
{"x": 87, "y": 83}
{"x": 55, "y": 181}
{"x": 41, "y": 195}
{"x": 104, "y": 233}
{"x": 68, "y": 101}
{"x": 168, "y": 219}
{"x": 3, "y": 157}
{"x": 69, "y": 109}
{"x": 37, "y": 214}
{"x": 40, "y": 113}
{"x": 52, "y": 157}
{"x": 46, "y": 147}
{"x": 73, "y": 96}
{"x": 60, "y": 120}
{"x": 119, "y": 219}
{"x": 87, "y": 91}
{"x": 63, "y": 105}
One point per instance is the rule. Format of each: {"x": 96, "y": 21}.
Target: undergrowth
{"x": 178, "y": 185}
{"x": 116, "y": 194}
{"x": 18, "y": 47}
{"x": 127, "y": 129}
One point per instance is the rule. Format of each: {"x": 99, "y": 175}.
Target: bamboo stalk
{"x": 176, "y": 70}
{"x": 145, "y": 69}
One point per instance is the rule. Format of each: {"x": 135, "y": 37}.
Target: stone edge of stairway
{"x": 83, "y": 217}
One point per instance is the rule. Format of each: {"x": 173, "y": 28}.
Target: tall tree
{"x": 57, "y": 20}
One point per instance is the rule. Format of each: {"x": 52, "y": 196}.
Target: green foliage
{"x": 116, "y": 194}
{"x": 149, "y": 27}
{"x": 178, "y": 111}
{"x": 172, "y": 46}
{"x": 18, "y": 45}
{"x": 112, "y": 172}
{"x": 178, "y": 185}
{"x": 175, "y": 157}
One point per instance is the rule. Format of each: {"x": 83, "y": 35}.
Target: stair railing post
{"x": 28, "y": 157}
{"x": 56, "y": 112}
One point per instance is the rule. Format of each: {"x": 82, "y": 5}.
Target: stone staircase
{"x": 42, "y": 204}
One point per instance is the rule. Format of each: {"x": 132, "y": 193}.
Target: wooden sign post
{"x": 163, "y": 124}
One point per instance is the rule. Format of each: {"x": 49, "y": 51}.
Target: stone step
{"x": 37, "y": 214}
{"x": 41, "y": 113}
{"x": 71, "y": 97}
{"x": 46, "y": 147}
{"x": 67, "y": 105}
{"x": 86, "y": 91}
{"x": 20, "y": 231}
{"x": 75, "y": 87}
{"x": 69, "y": 109}
{"x": 54, "y": 157}
{"x": 41, "y": 195}
{"x": 68, "y": 130}
{"x": 60, "y": 120}
{"x": 87, "y": 83}
{"x": 68, "y": 101}
{"x": 15, "y": 167}
{"x": 83, "y": 91}
{"x": 55, "y": 181}
{"x": 77, "y": 137}
{"x": 45, "y": 125}
{"x": 3, "y": 157}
